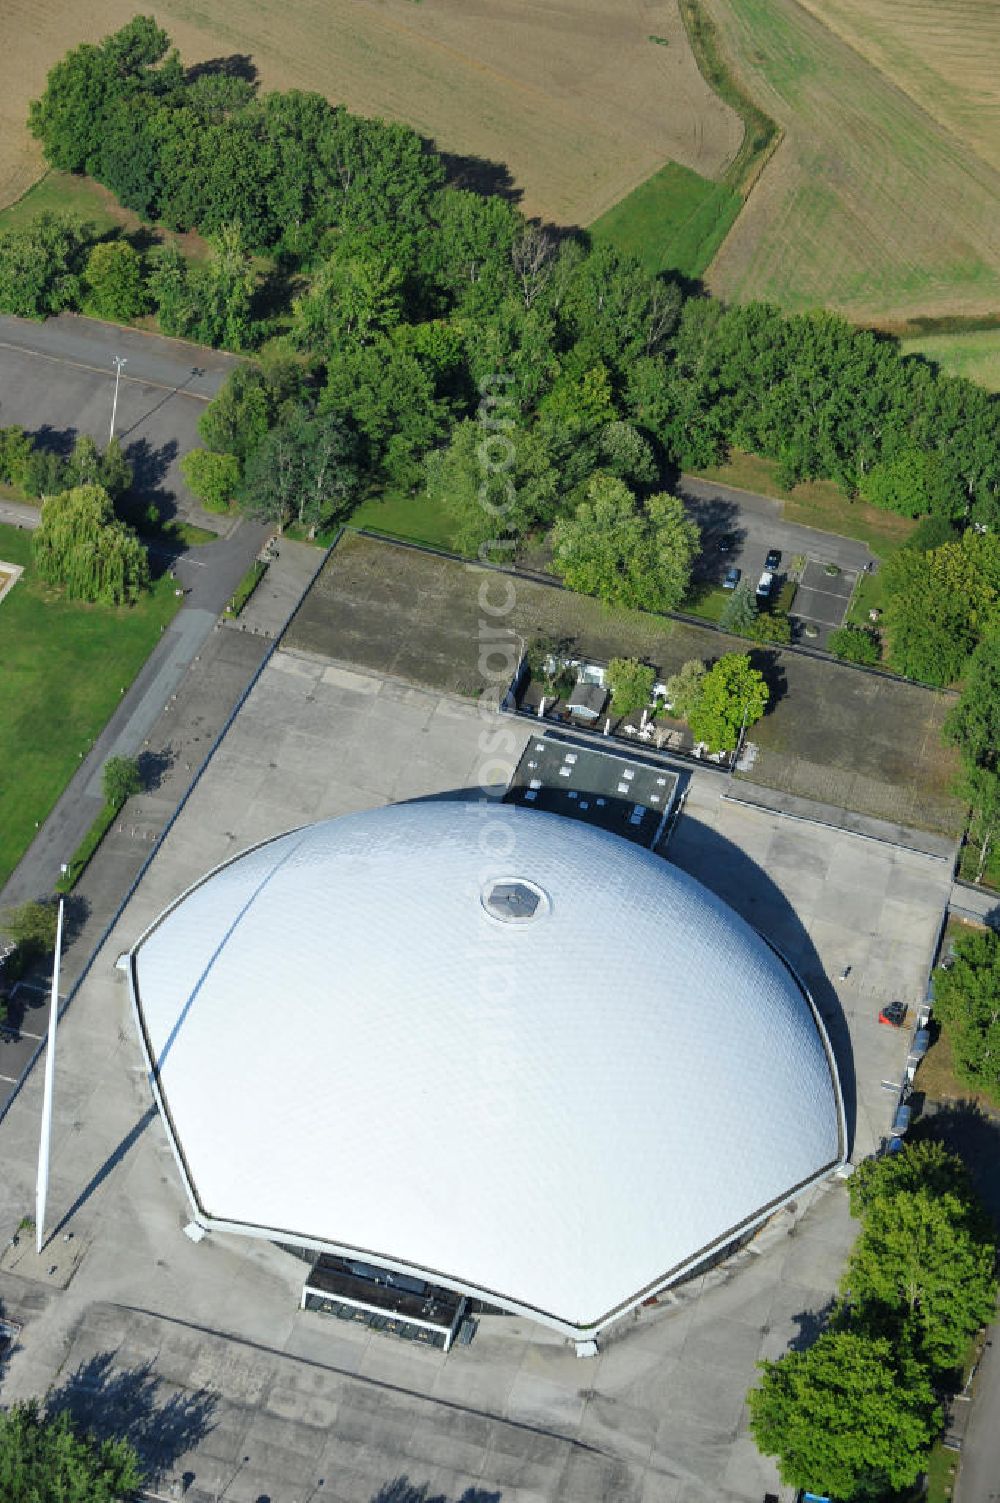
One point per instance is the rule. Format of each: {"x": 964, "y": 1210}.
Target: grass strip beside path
{"x": 63, "y": 668}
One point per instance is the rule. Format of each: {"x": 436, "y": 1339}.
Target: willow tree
{"x": 82, "y": 546}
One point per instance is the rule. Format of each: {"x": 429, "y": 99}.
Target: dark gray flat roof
{"x": 621, "y": 791}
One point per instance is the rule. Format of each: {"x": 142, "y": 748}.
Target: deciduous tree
{"x": 83, "y": 547}
{"x": 212, "y": 477}
{"x": 631, "y": 685}
{"x": 843, "y": 1419}
{"x": 120, "y": 779}
{"x": 114, "y": 281}
{"x": 684, "y": 688}
{"x": 624, "y": 553}
{"x": 923, "y": 1267}
{"x": 974, "y": 723}
{"x": 855, "y": 644}
{"x": 32, "y": 927}
{"x": 733, "y": 694}
{"x": 45, "y": 1459}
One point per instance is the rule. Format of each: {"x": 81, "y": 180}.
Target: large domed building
{"x": 484, "y": 1048}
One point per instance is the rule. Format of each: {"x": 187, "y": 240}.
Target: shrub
{"x": 855, "y": 644}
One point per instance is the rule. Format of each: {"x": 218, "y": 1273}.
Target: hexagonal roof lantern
{"x": 503, "y": 1050}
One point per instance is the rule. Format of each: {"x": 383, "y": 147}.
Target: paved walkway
{"x": 209, "y": 574}
{"x": 944, "y": 847}
{"x": 975, "y": 903}
{"x": 19, "y": 514}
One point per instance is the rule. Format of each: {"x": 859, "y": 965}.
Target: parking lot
{"x": 57, "y": 380}
{"x": 752, "y": 525}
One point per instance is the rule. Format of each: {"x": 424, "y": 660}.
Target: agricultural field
{"x": 975, "y": 355}
{"x": 576, "y": 100}
{"x": 944, "y": 53}
{"x": 870, "y": 204}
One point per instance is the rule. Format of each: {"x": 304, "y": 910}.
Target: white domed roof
{"x": 507, "y": 1050}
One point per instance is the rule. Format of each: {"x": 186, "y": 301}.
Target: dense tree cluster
{"x": 435, "y": 344}
{"x": 854, "y": 1415}
{"x": 974, "y": 727}
{"x": 413, "y": 296}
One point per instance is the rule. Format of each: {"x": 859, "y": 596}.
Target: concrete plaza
{"x": 200, "y": 1350}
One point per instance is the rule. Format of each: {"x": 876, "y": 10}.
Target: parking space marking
{"x": 837, "y": 594}
{"x": 9, "y": 1079}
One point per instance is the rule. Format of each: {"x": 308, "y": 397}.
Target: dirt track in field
{"x": 570, "y": 96}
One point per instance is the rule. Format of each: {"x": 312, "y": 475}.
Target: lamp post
{"x": 120, "y": 361}
{"x": 45, "y": 1138}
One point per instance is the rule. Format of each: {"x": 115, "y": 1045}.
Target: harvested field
{"x": 870, "y": 204}
{"x": 573, "y": 98}
{"x": 944, "y": 53}
{"x": 834, "y": 734}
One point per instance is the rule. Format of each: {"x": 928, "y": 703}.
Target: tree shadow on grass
{"x": 973, "y": 1133}
{"x": 130, "y": 1403}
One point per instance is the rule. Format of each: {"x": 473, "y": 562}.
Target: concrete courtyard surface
{"x": 57, "y": 381}
{"x": 265, "y": 1400}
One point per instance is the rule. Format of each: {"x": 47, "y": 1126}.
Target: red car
{"x": 893, "y": 1014}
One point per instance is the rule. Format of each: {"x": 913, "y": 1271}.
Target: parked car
{"x": 901, "y": 1121}
{"x": 893, "y": 1014}
{"x": 921, "y": 1044}
{"x": 773, "y": 558}
{"x": 765, "y": 584}
{"x": 732, "y": 578}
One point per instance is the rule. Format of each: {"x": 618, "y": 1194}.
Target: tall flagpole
{"x": 42, "y": 1184}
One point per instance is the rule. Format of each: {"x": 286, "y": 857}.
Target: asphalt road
{"x": 57, "y": 380}
{"x": 89, "y": 345}
{"x": 979, "y": 1475}
{"x": 754, "y": 524}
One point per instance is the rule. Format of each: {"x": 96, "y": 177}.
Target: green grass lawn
{"x": 65, "y": 193}
{"x": 674, "y": 221}
{"x": 62, "y": 668}
{"x": 410, "y": 517}
{"x": 707, "y": 601}
{"x": 974, "y": 354}
{"x": 84, "y": 199}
